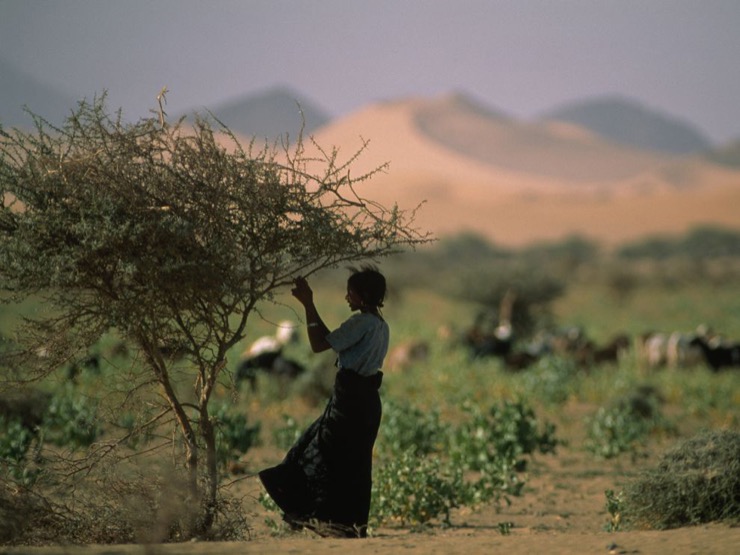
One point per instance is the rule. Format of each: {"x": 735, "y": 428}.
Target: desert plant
{"x": 622, "y": 426}
{"x": 696, "y": 482}
{"x": 15, "y": 441}
{"x": 506, "y": 431}
{"x": 234, "y": 436}
{"x": 409, "y": 489}
{"x": 494, "y": 444}
{"x": 614, "y": 506}
{"x": 468, "y": 464}
{"x": 552, "y": 379}
{"x": 406, "y": 427}
{"x": 170, "y": 236}
{"x": 71, "y": 420}
{"x": 287, "y": 434}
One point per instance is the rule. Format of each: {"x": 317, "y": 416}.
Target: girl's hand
{"x": 302, "y": 291}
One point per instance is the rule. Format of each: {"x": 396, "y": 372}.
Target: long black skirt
{"x": 324, "y": 481}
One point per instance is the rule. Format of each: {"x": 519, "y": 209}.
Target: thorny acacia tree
{"x": 171, "y": 234}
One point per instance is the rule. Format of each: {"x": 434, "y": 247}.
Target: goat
{"x": 718, "y": 356}
{"x": 498, "y": 342}
{"x": 519, "y": 360}
{"x": 566, "y": 342}
{"x": 681, "y": 353}
{"x": 614, "y": 351}
{"x": 266, "y": 354}
{"x": 653, "y": 349}
{"x": 407, "y": 354}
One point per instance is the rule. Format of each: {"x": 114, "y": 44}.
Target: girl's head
{"x": 368, "y": 285}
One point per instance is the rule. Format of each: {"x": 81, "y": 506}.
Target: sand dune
{"x": 518, "y": 183}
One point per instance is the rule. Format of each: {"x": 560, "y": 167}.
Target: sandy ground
{"x": 561, "y": 512}
{"x": 710, "y": 540}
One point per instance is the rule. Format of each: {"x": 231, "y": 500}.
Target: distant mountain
{"x": 546, "y": 148}
{"x": 630, "y": 123}
{"x": 18, "y": 90}
{"x": 270, "y": 114}
{"x": 727, "y": 155}
{"x": 470, "y": 168}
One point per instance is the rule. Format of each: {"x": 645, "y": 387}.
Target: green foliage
{"x": 71, "y": 420}
{"x": 504, "y": 528}
{"x": 410, "y": 489}
{"x": 267, "y": 503}
{"x": 287, "y": 434}
{"x": 552, "y": 380}
{"x": 566, "y": 255}
{"x": 466, "y": 247}
{"x": 234, "y": 437}
{"x": 15, "y": 441}
{"x": 614, "y": 506}
{"x": 621, "y": 427}
{"x": 694, "y": 483}
{"x": 699, "y": 243}
{"x": 138, "y": 435}
{"x": 507, "y": 431}
{"x": 406, "y": 427}
{"x": 534, "y": 291}
{"x": 425, "y": 468}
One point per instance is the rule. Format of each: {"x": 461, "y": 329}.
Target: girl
{"x": 324, "y": 482}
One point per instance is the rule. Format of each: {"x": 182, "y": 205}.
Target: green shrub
{"x": 426, "y": 469}
{"x": 552, "y": 380}
{"x": 614, "y": 506}
{"x": 288, "y": 434}
{"x": 15, "y": 441}
{"x": 409, "y": 428}
{"x": 621, "y": 427}
{"x": 234, "y": 437}
{"x": 507, "y": 431}
{"x": 409, "y": 489}
{"x": 71, "y": 420}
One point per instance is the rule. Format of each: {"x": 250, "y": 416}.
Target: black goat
{"x": 272, "y": 363}
{"x": 718, "y": 356}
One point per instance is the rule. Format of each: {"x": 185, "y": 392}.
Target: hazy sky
{"x": 520, "y": 56}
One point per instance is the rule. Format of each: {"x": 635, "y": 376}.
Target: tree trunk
{"x": 191, "y": 451}
{"x": 211, "y": 486}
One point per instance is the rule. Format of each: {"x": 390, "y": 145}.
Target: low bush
{"x": 15, "y": 441}
{"x": 410, "y": 489}
{"x": 234, "y": 436}
{"x": 71, "y": 420}
{"x": 625, "y": 424}
{"x": 406, "y": 427}
{"x": 696, "y": 482}
{"x": 425, "y": 469}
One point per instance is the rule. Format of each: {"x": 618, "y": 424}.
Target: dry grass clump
{"x": 696, "y": 482}
{"x": 105, "y": 508}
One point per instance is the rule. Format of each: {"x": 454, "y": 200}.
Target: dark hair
{"x": 368, "y": 283}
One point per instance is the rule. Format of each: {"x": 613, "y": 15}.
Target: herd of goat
{"x": 652, "y": 350}
{"x": 269, "y": 355}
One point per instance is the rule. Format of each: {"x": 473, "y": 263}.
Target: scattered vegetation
{"x": 426, "y": 468}
{"x": 623, "y": 426}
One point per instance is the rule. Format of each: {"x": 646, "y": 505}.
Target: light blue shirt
{"x": 361, "y": 343}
